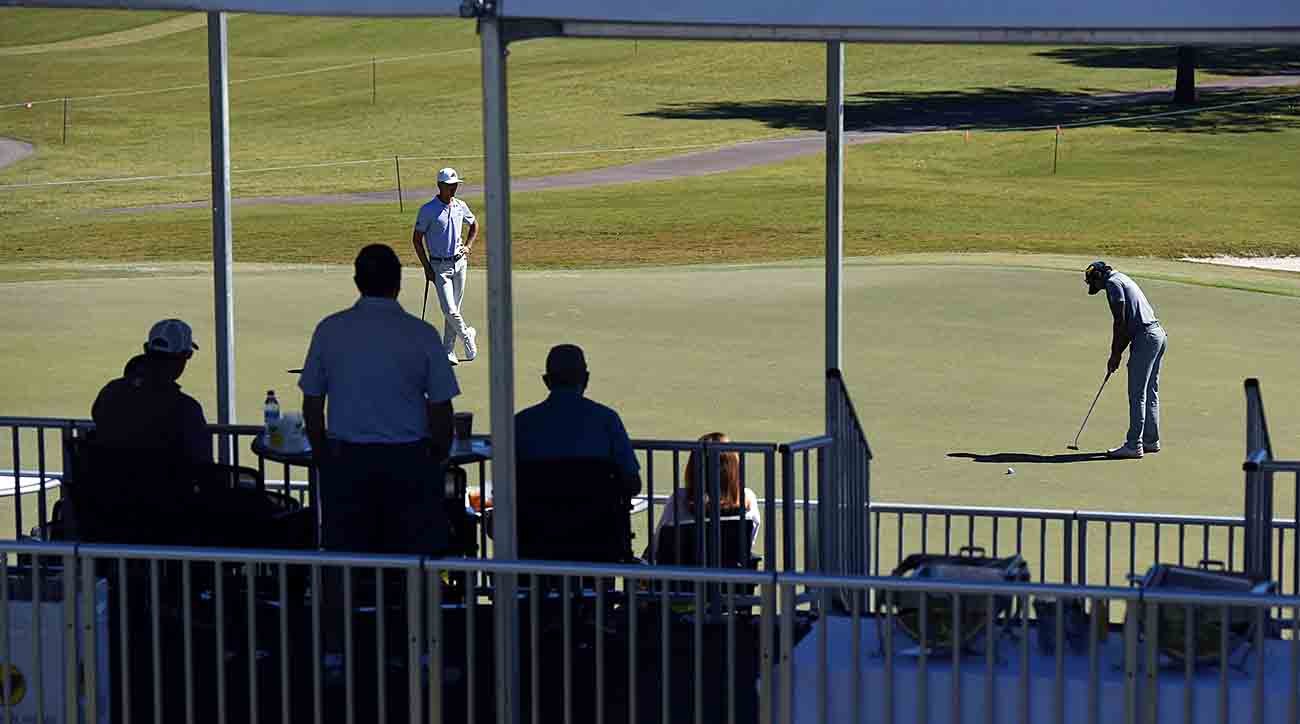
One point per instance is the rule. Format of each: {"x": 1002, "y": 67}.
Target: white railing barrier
{"x": 177, "y": 634}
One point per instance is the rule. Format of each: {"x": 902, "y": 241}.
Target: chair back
{"x": 127, "y": 495}
{"x": 681, "y": 544}
{"x": 119, "y": 495}
{"x": 572, "y": 509}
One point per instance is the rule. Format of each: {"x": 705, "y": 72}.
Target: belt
{"x": 447, "y": 258}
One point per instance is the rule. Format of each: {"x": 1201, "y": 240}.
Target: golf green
{"x": 957, "y": 354}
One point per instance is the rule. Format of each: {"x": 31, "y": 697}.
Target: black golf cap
{"x": 1095, "y": 276}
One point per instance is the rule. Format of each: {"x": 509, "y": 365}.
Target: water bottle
{"x": 271, "y": 418}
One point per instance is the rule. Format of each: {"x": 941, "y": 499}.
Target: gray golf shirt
{"x": 1128, "y": 304}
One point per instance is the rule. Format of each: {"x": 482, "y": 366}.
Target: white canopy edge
{"x": 974, "y": 35}
{"x": 312, "y": 8}
{"x": 1063, "y": 15}
{"x": 1047, "y": 22}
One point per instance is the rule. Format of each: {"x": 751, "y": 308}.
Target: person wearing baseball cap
{"x": 146, "y": 410}
{"x": 444, "y": 255}
{"x": 1135, "y": 327}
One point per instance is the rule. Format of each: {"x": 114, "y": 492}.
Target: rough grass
{"x": 1117, "y": 191}
{"x": 565, "y": 96}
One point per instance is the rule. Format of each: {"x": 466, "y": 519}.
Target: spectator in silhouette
{"x": 146, "y": 410}
{"x": 134, "y": 366}
{"x": 736, "y": 500}
{"x": 388, "y": 430}
{"x": 568, "y": 425}
{"x": 382, "y": 446}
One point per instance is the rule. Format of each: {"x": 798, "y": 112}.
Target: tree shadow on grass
{"x": 1002, "y": 109}
{"x": 1015, "y": 457}
{"x": 1220, "y": 61}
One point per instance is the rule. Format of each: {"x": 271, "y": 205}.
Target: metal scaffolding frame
{"x": 1250, "y": 22}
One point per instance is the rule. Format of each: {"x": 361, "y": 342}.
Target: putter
{"x": 1075, "y": 446}
{"x": 424, "y": 307}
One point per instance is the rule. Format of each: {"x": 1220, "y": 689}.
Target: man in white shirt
{"x": 382, "y": 449}
{"x": 388, "y": 431}
{"x": 445, "y": 257}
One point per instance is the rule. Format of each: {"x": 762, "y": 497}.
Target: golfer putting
{"x": 1135, "y": 327}
{"x": 445, "y": 258}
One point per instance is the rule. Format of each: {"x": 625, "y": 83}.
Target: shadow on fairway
{"x": 998, "y": 109}
{"x": 1012, "y": 457}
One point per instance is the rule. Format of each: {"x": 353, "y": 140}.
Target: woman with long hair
{"x": 736, "y": 500}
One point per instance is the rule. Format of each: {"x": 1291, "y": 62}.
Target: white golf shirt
{"x": 377, "y": 368}
{"x": 441, "y": 225}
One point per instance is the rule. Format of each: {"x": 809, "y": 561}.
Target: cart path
{"x": 734, "y": 157}
{"x": 160, "y": 29}
{"x": 12, "y": 151}
{"x": 701, "y": 163}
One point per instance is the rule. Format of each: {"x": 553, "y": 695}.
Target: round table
{"x": 301, "y": 459}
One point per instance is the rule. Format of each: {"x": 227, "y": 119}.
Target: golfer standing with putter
{"x": 1134, "y": 326}
{"x": 445, "y": 258}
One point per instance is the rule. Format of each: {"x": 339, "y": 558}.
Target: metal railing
{"x": 843, "y": 520}
{"x": 178, "y": 634}
{"x": 130, "y": 633}
{"x": 950, "y": 651}
{"x": 1061, "y": 546}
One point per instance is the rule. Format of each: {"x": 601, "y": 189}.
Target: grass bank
{"x": 1132, "y": 191}
{"x": 571, "y": 102}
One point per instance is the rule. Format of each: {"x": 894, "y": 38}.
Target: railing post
{"x": 1082, "y": 568}
{"x": 1067, "y": 555}
{"x": 789, "y": 518}
{"x": 769, "y": 483}
{"x": 767, "y": 662}
{"x": 1259, "y": 486}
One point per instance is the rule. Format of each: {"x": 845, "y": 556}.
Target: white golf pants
{"x": 449, "y": 285}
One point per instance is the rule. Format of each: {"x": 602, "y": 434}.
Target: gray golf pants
{"x": 1146, "y": 352}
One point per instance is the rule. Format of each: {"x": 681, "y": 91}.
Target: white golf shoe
{"x": 1125, "y": 452}
{"x": 451, "y": 357}
{"x": 471, "y": 349}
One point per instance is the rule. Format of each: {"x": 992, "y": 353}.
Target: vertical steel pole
{"x": 834, "y": 208}
{"x": 828, "y": 494}
{"x": 223, "y": 302}
{"x": 502, "y": 369}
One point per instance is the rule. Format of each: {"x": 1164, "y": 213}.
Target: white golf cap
{"x": 170, "y": 337}
{"x": 448, "y": 176}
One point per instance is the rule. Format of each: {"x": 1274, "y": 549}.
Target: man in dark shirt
{"x": 568, "y": 425}
{"x": 145, "y": 410}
